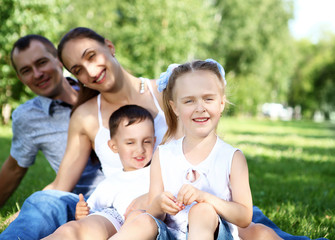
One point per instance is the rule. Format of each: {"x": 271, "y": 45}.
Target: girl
{"x": 199, "y": 185}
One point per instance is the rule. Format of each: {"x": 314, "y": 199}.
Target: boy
{"x": 133, "y": 138}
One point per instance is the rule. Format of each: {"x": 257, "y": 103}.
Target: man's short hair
{"x": 24, "y": 42}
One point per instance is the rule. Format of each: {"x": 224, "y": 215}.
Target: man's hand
{"x": 82, "y": 209}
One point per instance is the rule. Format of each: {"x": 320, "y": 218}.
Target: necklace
{"x": 142, "y": 86}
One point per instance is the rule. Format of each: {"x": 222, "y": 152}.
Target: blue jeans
{"x": 222, "y": 233}
{"x": 223, "y": 230}
{"x": 41, "y": 214}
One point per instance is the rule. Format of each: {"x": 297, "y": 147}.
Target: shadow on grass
{"x": 289, "y": 147}
{"x": 276, "y": 134}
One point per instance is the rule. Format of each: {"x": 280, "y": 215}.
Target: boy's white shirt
{"x": 119, "y": 190}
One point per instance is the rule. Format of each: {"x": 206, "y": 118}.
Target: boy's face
{"x": 134, "y": 144}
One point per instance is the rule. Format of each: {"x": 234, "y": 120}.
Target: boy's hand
{"x": 188, "y": 194}
{"x": 82, "y": 209}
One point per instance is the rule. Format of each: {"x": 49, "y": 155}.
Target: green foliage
{"x": 150, "y": 35}
{"x": 254, "y": 44}
{"x": 313, "y": 84}
{"x": 250, "y": 38}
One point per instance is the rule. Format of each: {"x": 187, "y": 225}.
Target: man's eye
{"x": 26, "y": 71}
{"x": 42, "y": 62}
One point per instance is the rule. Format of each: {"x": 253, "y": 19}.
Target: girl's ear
{"x": 173, "y": 106}
{"x": 113, "y": 146}
{"x": 223, "y": 103}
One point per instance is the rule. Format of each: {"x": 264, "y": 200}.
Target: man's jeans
{"x": 41, "y": 214}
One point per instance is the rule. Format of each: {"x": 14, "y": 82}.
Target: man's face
{"x": 39, "y": 69}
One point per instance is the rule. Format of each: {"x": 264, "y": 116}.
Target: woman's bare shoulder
{"x": 85, "y": 116}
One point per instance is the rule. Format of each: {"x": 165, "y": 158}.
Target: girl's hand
{"x": 188, "y": 194}
{"x": 169, "y": 203}
{"x": 82, "y": 209}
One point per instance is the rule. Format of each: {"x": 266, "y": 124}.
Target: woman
{"x": 105, "y": 86}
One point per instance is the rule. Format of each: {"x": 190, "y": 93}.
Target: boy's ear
{"x": 112, "y": 145}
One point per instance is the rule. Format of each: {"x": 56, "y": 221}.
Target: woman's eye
{"x": 90, "y": 56}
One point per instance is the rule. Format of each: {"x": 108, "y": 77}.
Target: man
{"x": 42, "y": 122}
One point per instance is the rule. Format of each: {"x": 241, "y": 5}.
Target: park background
{"x": 289, "y": 149}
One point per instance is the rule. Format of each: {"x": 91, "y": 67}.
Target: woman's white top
{"x": 110, "y": 161}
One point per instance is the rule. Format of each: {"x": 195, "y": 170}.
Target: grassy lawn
{"x": 291, "y": 165}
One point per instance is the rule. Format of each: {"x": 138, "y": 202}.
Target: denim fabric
{"x": 41, "y": 214}
{"x": 163, "y": 231}
{"x": 224, "y": 232}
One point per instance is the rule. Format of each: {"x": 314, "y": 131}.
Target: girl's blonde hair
{"x": 168, "y": 93}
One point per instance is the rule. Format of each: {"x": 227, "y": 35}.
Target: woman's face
{"x": 91, "y": 62}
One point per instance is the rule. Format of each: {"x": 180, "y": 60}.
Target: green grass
{"x": 292, "y": 171}
{"x": 37, "y": 177}
{"x": 291, "y": 165}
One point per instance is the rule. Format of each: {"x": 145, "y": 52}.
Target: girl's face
{"x": 198, "y": 102}
{"x": 91, "y": 62}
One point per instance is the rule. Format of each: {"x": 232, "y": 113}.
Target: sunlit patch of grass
{"x": 292, "y": 171}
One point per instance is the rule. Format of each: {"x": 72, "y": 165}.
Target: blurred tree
{"x": 250, "y": 38}
{"x": 313, "y": 84}
{"x": 19, "y": 18}
{"x": 254, "y": 43}
{"x": 148, "y": 34}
